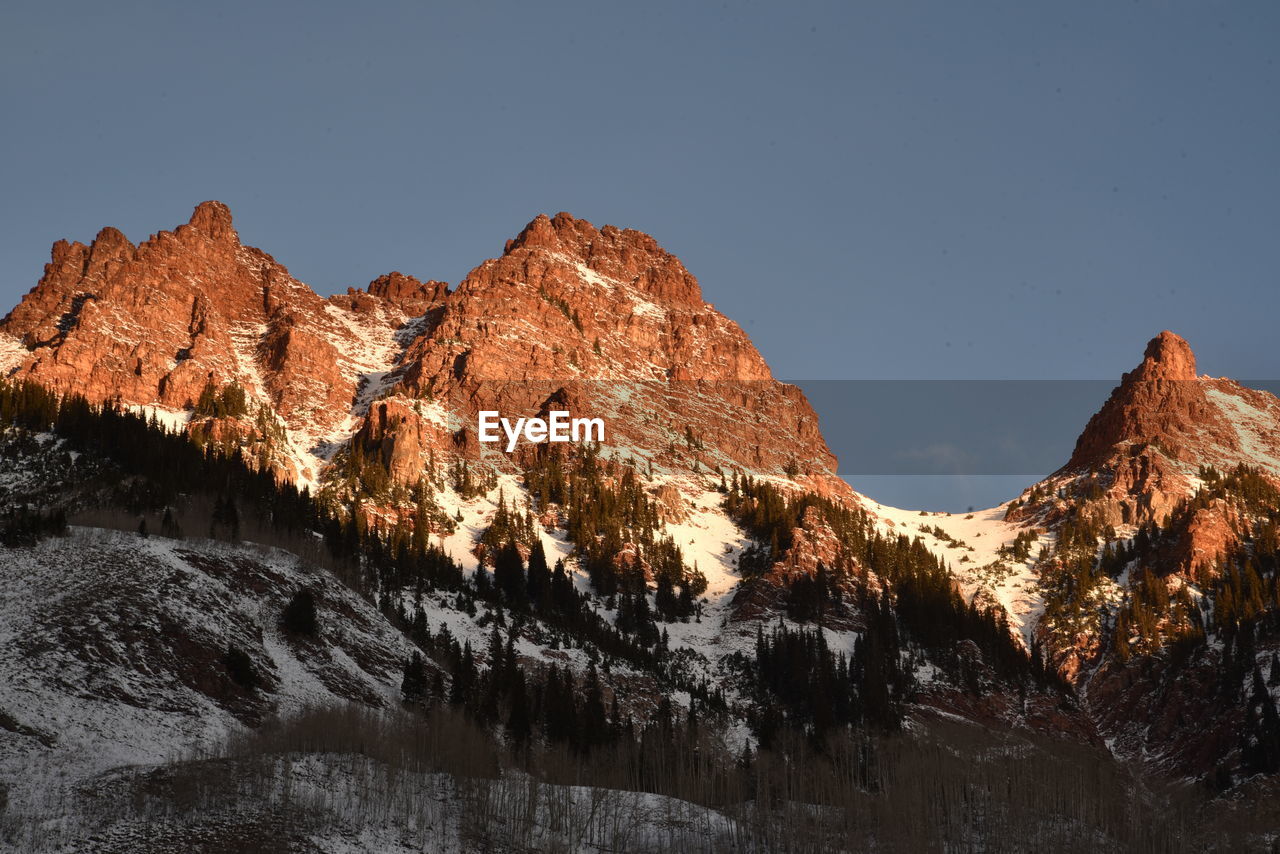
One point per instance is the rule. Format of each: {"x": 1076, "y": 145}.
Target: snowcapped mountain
{"x": 602, "y": 320}
{"x": 1145, "y": 568}
{"x": 372, "y": 396}
{"x": 280, "y": 505}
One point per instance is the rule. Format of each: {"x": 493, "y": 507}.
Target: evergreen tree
{"x": 299, "y": 616}
{"x": 169, "y": 525}
{"x": 240, "y": 667}
{"x": 508, "y": 574}
{"x": 1260, "y": 738}
{"x": 520, "y": 718}
{"x": 563, "y": 596}
{"x": 539, "y": 584}
{"x": 464, "y": 677}
{"x": 413, "y": 687}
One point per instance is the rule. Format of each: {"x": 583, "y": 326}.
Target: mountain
{"x": 602, "y": 320}
{"x": 244, "y": 525}
{"x": 370, "y": 400}
{"x": 372, "y": 397}
{"x": 1146, "y": 445}
{"x": 1153, "y": 556}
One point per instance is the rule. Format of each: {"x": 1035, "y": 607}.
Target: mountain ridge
{"x": 1125, "y": 603}
{"x": 145, "y": 326}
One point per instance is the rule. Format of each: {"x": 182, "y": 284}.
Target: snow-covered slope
{"x": 113, "y": 652}
{"x": 977, "y": 548}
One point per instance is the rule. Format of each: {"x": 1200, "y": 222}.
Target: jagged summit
{"x": 1145, "y": 446}
{"x": 413, "y": 296}
{"x": 213, "y": 219}
{"x": 1168, "y": 357}
{"x": 625, "y": 255}
{"x": 596, "y": 312}
{"x": 1159, "y": 401}
{"x": 109, "y": 245}
{"x": 567, "y": 233}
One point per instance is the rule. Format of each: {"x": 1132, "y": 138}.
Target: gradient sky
{"x": 874, "y": 191}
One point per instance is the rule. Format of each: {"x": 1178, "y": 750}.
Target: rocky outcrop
{"x": 813, "y": 543}
{"x": 602, "y": 321}
{"x": 405, "y": 441}
{"x": 153, "y": 324}
{"x": 1205, "y": 539}
{"x": 1144, "y": 448}
{"x": 609, "y": 321}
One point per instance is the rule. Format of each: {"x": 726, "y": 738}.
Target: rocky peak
{"x": 109, "y": 245}
{"x": 152, "y": 324}
{"x": 211, "y": 220}
{"x": 1144, "y": 460}
{"x": 410, "y": 295}
{"x": 1145, "y": 446}
{"x": 562, "y": 232}
{"x": 609, "y": 319}
{"x": 605, "y": 315}
{"x": 625, "y": 255}
{"x": 1168, "y": 357}
{"x": 1159, "y": 402}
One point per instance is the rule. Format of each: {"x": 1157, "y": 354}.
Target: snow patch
{"x": 971, "y": 549}
{"x": 12, "y": 353}
{"x": 1253, "y": 426}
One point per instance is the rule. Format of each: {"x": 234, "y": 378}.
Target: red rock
{"x": 612, "y": 324}
{"x": 405, "y": 441}
{"x": 603, "y": 322}
{"x": 410, "y": 295}
{"x": 1159, "y": 426}
{"x": 153, "y": 324}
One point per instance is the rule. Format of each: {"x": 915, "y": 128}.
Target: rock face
{"x": 602, "y": 319}
{"x": 153, "y": 324}
{"x": 1145, "y": 446}
{"x": 1158, "y": 401}
{"x": 608, "y": 324}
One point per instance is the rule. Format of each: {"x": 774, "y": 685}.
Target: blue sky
{"x": 874, "y": 191}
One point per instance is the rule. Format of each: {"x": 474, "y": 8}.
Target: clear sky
{"x": 874, "y": 191}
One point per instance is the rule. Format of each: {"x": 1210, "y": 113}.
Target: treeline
{"x": 157, "y": 468}
{"x": 543, "y": 705}
{"x": 1214, "y": 617}
{"x": 1243, "y": 583}
{"x": 26, "y": 526}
